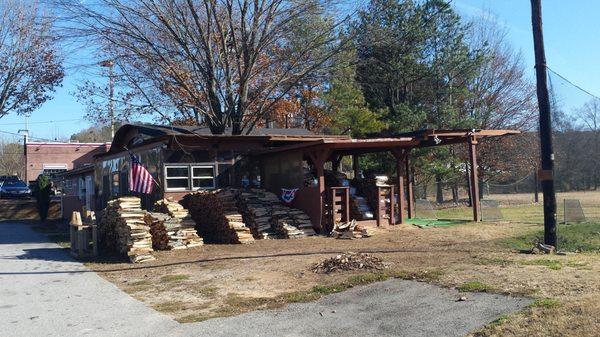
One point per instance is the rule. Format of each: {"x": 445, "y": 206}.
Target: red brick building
{"x": 56, "y": 157}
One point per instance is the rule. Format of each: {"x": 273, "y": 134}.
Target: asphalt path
{"x": 44, "y": 292}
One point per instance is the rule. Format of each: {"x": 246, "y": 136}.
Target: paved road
{"x": 43, "y": 292}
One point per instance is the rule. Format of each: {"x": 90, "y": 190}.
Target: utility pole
{"x": 547, "y": 155}
{"x": 109, "y": 64}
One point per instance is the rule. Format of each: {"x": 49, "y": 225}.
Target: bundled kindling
{"x": 122, "y": 229}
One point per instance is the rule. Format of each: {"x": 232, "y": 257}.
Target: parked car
{"x": 14, "y": 189}
{"x": 8, "y": 178}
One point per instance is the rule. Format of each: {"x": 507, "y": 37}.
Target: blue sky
{"x": 571, "y": 31}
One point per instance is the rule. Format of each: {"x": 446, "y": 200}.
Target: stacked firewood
{"x": 123, "y": 229}
{"x": 160, "y": 236}
{"x": 179, "y": 225}
{"x": 268, "y": 218}
{"x": 228, "y": 199}
{"x": 256, "y": 207}
{"x": 216, "y": 216}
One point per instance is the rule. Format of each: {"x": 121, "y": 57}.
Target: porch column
{"x": 476, "y": 203}
{"x": 355, "y": 165}
{"x": 318, "y": 158}
{"x": 409, "y": 187}
{"x": 399, "y": 155}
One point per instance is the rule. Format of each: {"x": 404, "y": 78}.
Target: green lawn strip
{"x": 475, "y": 287}
{"x": 545, "y": 303}
{"x": 550, "y": 264}
{"x": 174, "y": 278}
{"x": 583, "y": 237}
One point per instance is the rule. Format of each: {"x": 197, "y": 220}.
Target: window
{"x": 189, "y": 177}
{"x": 177, "y": 177}
{"x": 203, "y": 176}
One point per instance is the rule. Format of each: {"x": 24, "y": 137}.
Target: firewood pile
{"x": 122, "y": 229}
{"x": 228, "y": 199}
{"x": 216, "y": 217}
{"x": 292, "y": 223}
{"x": 350, "y": 230}
{"x": 349, "y": 261}
{"x": 179, "y": 225}
{"x": 256, "y": 208}
{"x": 160, "y": 236}
{"x": 269, "y": 219}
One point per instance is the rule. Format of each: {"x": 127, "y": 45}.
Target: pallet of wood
{"x": 123, "y": 229}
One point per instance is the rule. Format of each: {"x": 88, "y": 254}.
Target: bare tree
{"x": 225, "y": 63}
{"x": 11, "y": 158}
{"x": 502, "y": 96}
{"x": 30, "y": 65}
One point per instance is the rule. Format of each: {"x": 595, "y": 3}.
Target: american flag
{"x": 140, "y": 179}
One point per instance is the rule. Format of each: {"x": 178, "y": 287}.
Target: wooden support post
{"x": 392, "y": 221}
{"x": 336, "y": 161}
{"x": 318, "y": 158}
{"x": 355, "y": 165}
{"x": 476, "y": 203}
{"x": 321, "y": 188}
{"x": 536, "y": 197}
{"x": 409, "y": 188}
{"x": 399, "y": 154}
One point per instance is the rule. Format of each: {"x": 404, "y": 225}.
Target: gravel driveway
{"x": 44, "y": 292}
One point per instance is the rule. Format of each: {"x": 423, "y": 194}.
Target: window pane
{"x": 203, "y": 171}
{"x": 177, "y": 171}
{"x": 177, "y": 183}
{"x": 203, "y": 183}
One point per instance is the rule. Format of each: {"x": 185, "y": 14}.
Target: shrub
{"x": 43, "y": 196}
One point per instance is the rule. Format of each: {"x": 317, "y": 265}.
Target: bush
{"x": 43, "y": 196}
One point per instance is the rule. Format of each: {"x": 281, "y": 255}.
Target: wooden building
{"x": 183, "y": 159}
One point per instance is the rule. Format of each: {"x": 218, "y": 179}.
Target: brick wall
{"x": 69, "y": 155}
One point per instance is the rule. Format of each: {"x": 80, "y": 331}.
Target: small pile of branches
{"x": 349, "y": 261}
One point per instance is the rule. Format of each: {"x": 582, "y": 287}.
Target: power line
{"x": 571, "y": 83}
{"x": 44, "y": 122}
{"x": 20, "y": 135}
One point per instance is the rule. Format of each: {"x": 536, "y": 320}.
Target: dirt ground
{"x": 220, "y": 280}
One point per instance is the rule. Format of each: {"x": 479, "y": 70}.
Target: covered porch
{"x": 327, "y": 205}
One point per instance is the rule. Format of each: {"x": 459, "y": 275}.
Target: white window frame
{"x": 190, "y": 177}
{"x": 178, "y": 177}
{"x": 213, "y": 177}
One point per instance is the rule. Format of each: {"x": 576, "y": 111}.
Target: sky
{"x": 571, "y": 30}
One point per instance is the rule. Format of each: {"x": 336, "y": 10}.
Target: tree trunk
{"x": 455, "y": 192}
{"x": 439, "y": 195}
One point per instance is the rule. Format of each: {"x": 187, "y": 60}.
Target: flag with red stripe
{"x": 140, "y": 179}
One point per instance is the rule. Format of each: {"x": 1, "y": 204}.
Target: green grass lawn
{"x": 584, "y": 237}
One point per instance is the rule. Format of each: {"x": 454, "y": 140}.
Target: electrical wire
{"x": 44, "y": 122}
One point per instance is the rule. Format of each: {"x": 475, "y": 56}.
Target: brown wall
{"x": 69, "y": 205}
{"x": 307, "y": 199}
{"x": 283, "y": 170}
{"x": 71, "y": 154}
